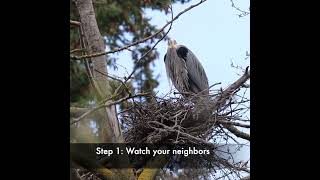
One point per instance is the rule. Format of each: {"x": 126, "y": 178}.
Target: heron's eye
{"x": 182, "y": 52}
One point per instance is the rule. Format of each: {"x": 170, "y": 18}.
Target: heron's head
{"x": 172, "y": 43}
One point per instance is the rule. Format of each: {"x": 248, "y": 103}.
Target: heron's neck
{"x": 171, "y": 46}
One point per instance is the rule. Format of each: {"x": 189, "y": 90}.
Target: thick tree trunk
{"x": 108, "y": 118}
{"x": 111, "y": 127}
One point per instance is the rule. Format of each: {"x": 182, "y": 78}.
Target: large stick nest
{"x": 193, "y": 119}
{"x": 180, "y": 120}
{"x": 167, "y": 121}
{"x": 198, "y": 119}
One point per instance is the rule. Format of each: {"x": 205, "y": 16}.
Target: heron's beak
{"x": 172, "y": 44}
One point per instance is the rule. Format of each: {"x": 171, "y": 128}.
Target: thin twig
{"x": 243, "y": 13}
{"x": 76, "y": 50}
{"x": 138, "y": 61}
{"x": 116, "y": 79}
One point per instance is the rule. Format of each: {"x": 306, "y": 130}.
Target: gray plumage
{"x": 185, "y": 70}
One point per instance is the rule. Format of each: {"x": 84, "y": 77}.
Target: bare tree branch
{"x": 226, "y": 94}
{"x": 139, "y": 41}
{"x": 233, "y": 123}
{"x": 246, "y": 178}
{"x": 243, "y": 13}
{"x": 76, "y": 50}
{"x": 237, "y": 132}
{"x": 116, "y": 79}
{"x": 102, "y": 105}
{"x": 221, "y": 99}
{"x": 135, "y": 68}
{"x": 75, "y": 23}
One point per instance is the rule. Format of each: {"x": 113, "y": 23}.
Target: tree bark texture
{"x": 95, "y": 44}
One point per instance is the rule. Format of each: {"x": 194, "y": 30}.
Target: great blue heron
{"x": 185, "y": 70}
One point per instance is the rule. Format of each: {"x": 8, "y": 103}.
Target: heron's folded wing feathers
{"x": 196, "y": 72}
{"x": 176, "y": 70}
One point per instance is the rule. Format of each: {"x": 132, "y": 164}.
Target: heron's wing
{"x": 198, "y": 80}
{"x": 176, "y": 70}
